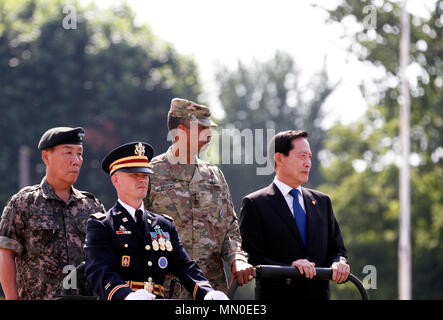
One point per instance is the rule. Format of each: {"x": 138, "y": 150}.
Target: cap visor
{"x": 136, "y": 170}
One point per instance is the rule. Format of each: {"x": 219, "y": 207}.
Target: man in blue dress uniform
{"x": 129, "y": 250}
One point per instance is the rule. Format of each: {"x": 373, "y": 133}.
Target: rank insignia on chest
{"x": 125, "y": 261}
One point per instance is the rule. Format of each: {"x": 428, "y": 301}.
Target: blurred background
{"x": 329, "y": 67}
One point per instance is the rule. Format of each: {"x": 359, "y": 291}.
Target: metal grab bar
{"x": 278, "y": 272}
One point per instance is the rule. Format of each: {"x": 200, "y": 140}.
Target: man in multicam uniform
{"x": 43, "y": 227}
{"x": 195, "y": 194}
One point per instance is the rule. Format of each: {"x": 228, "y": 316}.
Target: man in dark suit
{"x": 289, "y": 225}
{"x": 129, "y": 250}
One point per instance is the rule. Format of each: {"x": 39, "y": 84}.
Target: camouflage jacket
{"x": 197, "y": 197}
{"x": 47, "y": 235}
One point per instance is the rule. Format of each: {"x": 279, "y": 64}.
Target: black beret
{"x": 61, "y": 135}
{"x": 130, "y": 157}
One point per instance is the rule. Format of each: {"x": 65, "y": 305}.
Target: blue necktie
{"x": 299, "y": 214}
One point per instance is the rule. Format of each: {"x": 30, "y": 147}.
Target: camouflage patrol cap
{"x": 61, "y": 135}
{"x": 182, "y": 108}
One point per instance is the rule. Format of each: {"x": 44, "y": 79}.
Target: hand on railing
{"x": 282, "y": 272}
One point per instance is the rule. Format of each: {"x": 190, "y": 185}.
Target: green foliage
{"x": 362, "y": 176}
{"x": 381, "y": 47}
{"x": 112, "y": 77}
{"x": 365, "y": 204}
{"x": 270, "y": 95}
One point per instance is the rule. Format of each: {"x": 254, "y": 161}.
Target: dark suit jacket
{"x": 270, "y": 236}
{"x": 116, "y": 251}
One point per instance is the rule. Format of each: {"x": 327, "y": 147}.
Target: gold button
{"x": 149, "y": 263}
{"x": 126, "y": 245}
{"x": 149, "y": 221}
{"x": 148, "y": 247}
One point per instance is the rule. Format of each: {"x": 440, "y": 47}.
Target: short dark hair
{"x": 282, "y": 142}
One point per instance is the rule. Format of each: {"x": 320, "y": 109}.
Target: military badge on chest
{"x": 160, "y": 239}
{"x": 162, "y": 262}
{"x": 122, "y": 230}
{"x": 125, "y": 261}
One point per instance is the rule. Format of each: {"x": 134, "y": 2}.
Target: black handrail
{"x": 278, "y": 272}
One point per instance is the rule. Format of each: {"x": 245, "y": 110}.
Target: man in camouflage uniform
{"x": 195, "y": 194}
{"x": 43, "y": 227}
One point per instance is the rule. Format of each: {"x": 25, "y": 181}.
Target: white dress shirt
{"x": 131, "y": 210}
{"x": 285, "y": 189}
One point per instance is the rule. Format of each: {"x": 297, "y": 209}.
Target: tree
{"x": 362, "y": 175}
{"x": 264, "y": 96}
{"x": 112, "y": 77}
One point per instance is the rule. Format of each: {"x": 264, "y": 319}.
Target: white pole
{"x": 404, "y": 245}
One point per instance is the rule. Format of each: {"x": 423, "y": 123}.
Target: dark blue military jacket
{"x": 116, "y": 252}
